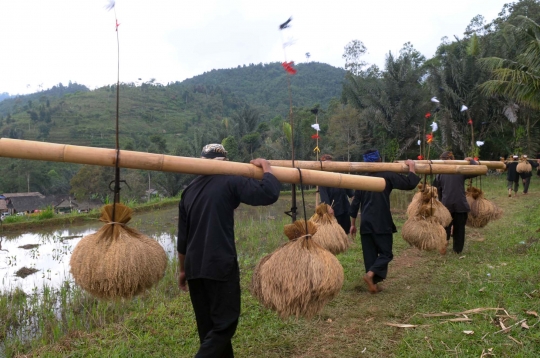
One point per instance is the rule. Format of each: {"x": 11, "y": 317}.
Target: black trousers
{"x": 344, "y": 220}
{"x": 377, "y": 250}
{"x": 458, "y": 222}
{"x": 217, "y": 308}
{"x": 526, "y": 182}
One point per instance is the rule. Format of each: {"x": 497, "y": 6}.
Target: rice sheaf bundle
{"x": 524, "y": 166}
{"x": 482, "y": 210}
{"x": 424, "y": 231}
{"x": 428, "y": 195}
{"x": 330, "y": 235}
{"x": 117, "y": 261}
{"x": 298, "y": 278}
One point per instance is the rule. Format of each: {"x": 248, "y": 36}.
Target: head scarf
{"x": 212, "y": 151}
{"x": 372, "y": 157}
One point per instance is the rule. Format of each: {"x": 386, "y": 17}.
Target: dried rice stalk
{"x": 117, "y": 261}
{"x": 298, "y": 278}
{"x": 424, "y": 231}
{"x": 429, "y": 196}
{"x": 330, "y": 235}
{"x": 524, "y": 166}
{"x": 482, "y": 210}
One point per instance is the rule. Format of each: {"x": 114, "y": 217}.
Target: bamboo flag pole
{"x": 23, "y": 149}
{"x": 487, "y": 163}
{"x": 380, "y": 167}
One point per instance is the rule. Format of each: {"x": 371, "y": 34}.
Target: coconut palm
{"x": 519, "y": 79}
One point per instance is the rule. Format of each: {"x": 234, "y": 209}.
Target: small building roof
{"x": 26, "y": 203}
{"x": 16, "y": 195}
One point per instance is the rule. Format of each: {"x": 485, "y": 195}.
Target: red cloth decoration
{"x": 288, "y": 67}
{"x": 315, "y": 136}
{"x": 469, "y": 122}
{"x": 420, "y": 157}
{"x": 427, "y": 115}
{"x": 429, "y": 138}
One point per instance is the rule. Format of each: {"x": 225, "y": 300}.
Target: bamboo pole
{"x": 487, "y": 163}
{"x": 382, "y": 167}
{"x": 23, "y": 149}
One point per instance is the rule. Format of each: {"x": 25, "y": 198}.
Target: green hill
{"x": 245, "y": 105}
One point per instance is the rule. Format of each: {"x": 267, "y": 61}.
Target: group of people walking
{"x": 518, "y": 169}
{"x": 208, "y": 265}
{"x": 376, "y": 223}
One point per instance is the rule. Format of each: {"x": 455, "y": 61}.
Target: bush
{"x": 46, "y": 214}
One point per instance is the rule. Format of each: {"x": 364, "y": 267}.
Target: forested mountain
{"x": 4, "y": 95}
{"x": 264, "y": 85}
{"x": 245, "y": 105}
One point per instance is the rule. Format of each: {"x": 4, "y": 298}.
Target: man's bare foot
{"x": 368, "y": 278}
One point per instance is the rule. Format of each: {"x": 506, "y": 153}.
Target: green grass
{"x": 161, "y": 323}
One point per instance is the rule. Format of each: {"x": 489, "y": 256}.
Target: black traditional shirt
{"x": 451, "y": 191}
{"x": 512, "y": 174}
{"x": 206, "y": 221}
{"x": 337, "y": 198}
{"x": 375, "y": 214}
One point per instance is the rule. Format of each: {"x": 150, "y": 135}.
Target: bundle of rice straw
{"x": 298, "y": 278}
{"x": 524, "y": 166}
{"x": 424, "y": 231}
{"x": 501, "y": 159}
{"x": 428, "y": 195}
{"x": 482, "y": 210}
{"x": 330, "y": 235}
{"x": 117, "y": 261}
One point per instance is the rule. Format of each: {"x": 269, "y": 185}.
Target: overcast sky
{"x": 44, "y": 42}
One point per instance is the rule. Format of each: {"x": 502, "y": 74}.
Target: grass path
{"x": 498, "y": 269}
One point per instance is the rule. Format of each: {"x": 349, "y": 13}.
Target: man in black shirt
{"x": 376, "y": 224}
{"x": 207, "y": 251}
{"x": 338, "y": 199}
{"x": 451, "y": 191}
{"x": 512, "y": 176}
{"x": 526, "y": 176}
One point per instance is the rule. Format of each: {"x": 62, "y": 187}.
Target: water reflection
{"x": 51, "y": 256}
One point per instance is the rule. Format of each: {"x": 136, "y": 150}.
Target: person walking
{"x": 512, "y": 176}
{"x": 451, "y": 191}
{"x": 338, "y": 199}
{"x": 376, "y": 223}
{"x": 527, "y": 175}
{"x": 208, "y": 264}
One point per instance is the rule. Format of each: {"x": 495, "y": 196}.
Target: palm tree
{"x": 517, "y": 80}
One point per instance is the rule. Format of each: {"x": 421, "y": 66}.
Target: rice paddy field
{"x": 483, "y": 302}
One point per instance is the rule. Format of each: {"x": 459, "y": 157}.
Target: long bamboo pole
{"x": 487, "y": 163}
{"x": 379, "y": 167}
{"x": 23, "y": 149}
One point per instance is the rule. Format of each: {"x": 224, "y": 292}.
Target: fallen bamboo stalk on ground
{"x": 487, "y": 163}
{"x": 354, "y": 167}
{"x": 23, "y": 149}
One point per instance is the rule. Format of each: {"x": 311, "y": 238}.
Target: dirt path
{"x": 353, "y": 324}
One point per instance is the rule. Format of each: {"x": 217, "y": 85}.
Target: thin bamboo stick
{"x": 487, "y": 163}
{"x": 380, "y": 167}
{"x": 23, "y": 149}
